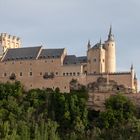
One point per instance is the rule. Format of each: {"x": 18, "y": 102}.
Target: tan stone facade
{"x": 37, "y": 67}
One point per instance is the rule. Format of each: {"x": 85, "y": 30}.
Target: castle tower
{"x": 110, "y": 53}
{"x": 96, "y": 59}
{"x": 134, "y": 79}
{"x": 101, "y": 58}
{"x": 8, "y": 41}
{"x": 136, "y": 83}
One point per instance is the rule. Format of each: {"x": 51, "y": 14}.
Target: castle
{"x": 38, "y": 67}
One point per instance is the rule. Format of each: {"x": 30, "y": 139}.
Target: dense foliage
{"x": 51, "y": 115}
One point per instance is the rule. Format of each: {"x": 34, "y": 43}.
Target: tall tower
{"x": 8, "y": 41}
{"x": 110, "y": 53}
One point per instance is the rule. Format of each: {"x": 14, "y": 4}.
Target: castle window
{"x": 94, "y": 72}
{"x": 40, "y": 73}
{"x": 70, "y": 74}
{"x": 52, "y": 61}
{"x": 108, "y": 44}
{"x": 20, "y": 73}
{"x": 78, "y": 73}
{"x": 67, "y": 74}
{"x": 63, "y": 74}
{"x": 103, "y": 60}
{"x": 74, "y": 73}
{"x": 65, "y": 87}
{"x": 20, "y": 62}
{"x": 5, "y": 74}
{"x": 31, "y": 73}
{"x": 94, "y": 59}
{"x": 56, "y": 73}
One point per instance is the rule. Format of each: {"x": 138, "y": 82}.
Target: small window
{"x": 5, "y": 74}
{"x": 103, "y": 60}
{"x": 40, "y": 73}
{"x": 74, "y": 73}
{"x": 94, "y": 59}
{"x": 63, "y": 74}
{"x": 78, "y": 73}
{"x": 67, "y": 74}
{"x": 20, "y": 74}
{"x": 31, "y": 73}
{"x": 70, "y": 74}
{"x": 20, "y": 62}
{"x": 56, "y": 73}
{"x": 31, "y": 85}
{"x": 65, "y": 87}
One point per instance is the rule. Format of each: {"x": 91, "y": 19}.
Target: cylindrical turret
{"x": 110, "y": 53}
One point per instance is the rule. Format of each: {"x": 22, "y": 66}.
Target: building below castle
{"x": 37, "y": 67}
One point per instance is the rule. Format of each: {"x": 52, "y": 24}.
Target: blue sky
{"x": 71, "y": 23}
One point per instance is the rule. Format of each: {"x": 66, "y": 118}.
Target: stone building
{"x": 38, "y": 67}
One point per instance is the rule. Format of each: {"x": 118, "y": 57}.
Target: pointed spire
{"x": 88, "y": 45}
{"x": 132, "y": 67}
{"x": 110, "y": 35}
{"x": 100, "y": 41}
{"x": 135, "y": 77}
{"x": 110, "y": 30}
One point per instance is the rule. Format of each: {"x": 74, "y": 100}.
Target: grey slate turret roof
{"x": 82, "y": 59}
{"x": 21, "y": 53}
{"x": 72, "y": 59}
{"x": 51, "y": 53}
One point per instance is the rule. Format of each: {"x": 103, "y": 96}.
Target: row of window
{"x": 71, "y": 74}
{"x": 30, "y": 73}
{"x": 56, "y": 73}
{"x": 96, "y": 60}
{"x": 22, "y": 58}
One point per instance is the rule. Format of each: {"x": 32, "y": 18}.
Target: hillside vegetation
{"x": 51, "y": 115}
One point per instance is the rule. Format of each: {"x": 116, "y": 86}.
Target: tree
{"x": 118, "y": 109}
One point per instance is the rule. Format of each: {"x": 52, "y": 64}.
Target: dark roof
{"x": 82, "y": 59}
{"x": 72, "y": 59}
{"x": 21, "y": 53}
{"x": 97, "y": 45}
{"x": 51, "y": 53}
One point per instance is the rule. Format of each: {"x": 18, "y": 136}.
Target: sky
{"x": 71, "y": 23}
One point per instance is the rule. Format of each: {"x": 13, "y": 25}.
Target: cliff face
{"x": 96, "y": 101}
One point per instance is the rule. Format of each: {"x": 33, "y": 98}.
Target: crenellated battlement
{"x": 9, "y": 41}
